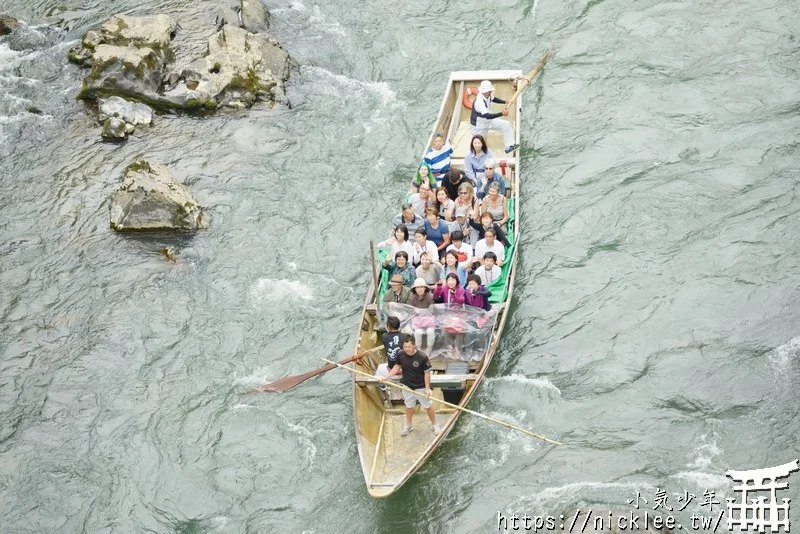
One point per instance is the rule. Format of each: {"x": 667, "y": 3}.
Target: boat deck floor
{"x": 398, "y": 453}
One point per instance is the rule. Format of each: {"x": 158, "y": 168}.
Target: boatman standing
{"x": 483, "y": 120}
{"x": 416, "y": 369}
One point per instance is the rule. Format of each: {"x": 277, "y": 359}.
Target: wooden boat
{"x": 387, "y": 459}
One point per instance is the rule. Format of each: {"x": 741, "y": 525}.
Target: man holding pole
{"x": 416, "y": 370}
{"x": 482, "y": 119}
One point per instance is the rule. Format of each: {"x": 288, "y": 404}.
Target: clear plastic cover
{"x": 456, "y": 332}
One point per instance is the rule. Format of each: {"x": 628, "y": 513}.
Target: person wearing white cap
{"x": 482, "y": 119}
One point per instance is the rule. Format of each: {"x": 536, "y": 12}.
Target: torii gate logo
{"x": 755, "y": 513}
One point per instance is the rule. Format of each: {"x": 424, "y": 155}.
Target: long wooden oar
{"x": 284, "y": 384}
{"x": 456, "y": 406}
{"x": 523, "y": 82}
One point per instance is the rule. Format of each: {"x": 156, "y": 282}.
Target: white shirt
{"x": 482, "y": 248}
{"x": 487, "y": 277}
{"x": 465, "y": 253}
{"x": 430, "y": 248}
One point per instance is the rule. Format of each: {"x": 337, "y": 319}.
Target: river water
{"x": 655, "y": 326}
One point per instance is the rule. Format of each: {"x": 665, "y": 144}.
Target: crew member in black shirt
{"x": 416, "y": 370}
{"x": 393, "y": 343}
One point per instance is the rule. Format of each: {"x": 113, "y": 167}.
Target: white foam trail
{"x": 297, "y": 6}
{"x": 517, "y": 378}
{"x": 706, "y": 452}
{"x": 306, "y": 441}
{"x": 703, "y": 481}
{"x": 351, "y": 86}
{"x": 241, "y": 407}
{"x": 259, "y": 377}
{"x": 780, "y": 357}
{"x": 547, "y": 498}
{"x": 279, "y": 290}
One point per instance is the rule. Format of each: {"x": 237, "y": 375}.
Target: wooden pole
{"x": 377, "y": 448}
{"x": 526, "y": 80}
{"x": 374, "y": 272}
{"x": 456, "y": 406}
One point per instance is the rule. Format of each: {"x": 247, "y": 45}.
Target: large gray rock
{"x": 134, "y": 113}
{"x": 254, "y": 15}
{"x": 120, "y": 117}
{"x": 116, "y": 129}
{"x": 239, "y": 69}
{"x": 150, "y": 199}
{"x": 7, "y": 24}
{"x": 129, "y": 56}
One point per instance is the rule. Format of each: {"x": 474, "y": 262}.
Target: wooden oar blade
{"x": 284, "y": 384}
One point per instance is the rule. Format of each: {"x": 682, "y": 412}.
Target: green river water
{"x": 654, "y": 329}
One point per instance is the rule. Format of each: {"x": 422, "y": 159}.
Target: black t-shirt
{"x": 452, "y": 188}
{"x": 414, "y": 368}
{"x": 393, "y": 344}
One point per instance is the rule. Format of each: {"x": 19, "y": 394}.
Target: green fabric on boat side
{"x": 499, "y": 287}
{"x": 383, "y": 277}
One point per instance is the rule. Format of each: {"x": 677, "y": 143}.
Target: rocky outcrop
{"x": 150, "y": 199}
{"x": 120, "y": 117}
{"x": 239, "y": 69}
{"x": 130, "y": 56}
{"x": 7, "y": 24}
{"x": 254, "y": 16}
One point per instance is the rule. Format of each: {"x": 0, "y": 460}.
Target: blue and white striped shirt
{"x": 439, "y": 160}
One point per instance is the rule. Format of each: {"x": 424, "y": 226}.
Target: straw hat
{"x": 419, "y": 282}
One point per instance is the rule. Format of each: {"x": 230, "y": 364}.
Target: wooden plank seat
{"x": 437, "y": 381}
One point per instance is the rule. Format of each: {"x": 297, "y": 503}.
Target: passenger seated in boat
{"x": 398, "y": 242}
{"x": 451, "y": 266}
{"x": 489, "y": 244}
{"x": 400, "y": 266}
{"x": 429, "y": 270}
{"x": 416, "y": 376}
{"x": 467, "y": 199}
{"x": 496, "y": 205}
{"x": 409, "y": 218}
{"x": 446, "y": 205}
{"x": 464, "y": 250}
{"x": 476, "y": 294}
{"x": 452, "y": 294}
{"x": 437, "y": 230}
{"x": 489, "y": 178}
{"x": 424, "y": 200}
{"x": 453, "y": 181}
{"x": 423, "y": 244}
{"x": 475, "y": 161}
{"x": 438, "y": 157}
{"x": 449, "y": 290}
{"x": 424, "y": 174}
{"x": 392, "y": 342}
{"x": 482, "y": 119}
{"x": 488, "y": 272}
{"x": 464, "y": 225}
{"x": 485, "y": 223}
{"x": 423, "y": 322}
{"x": 398, "y": 292}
